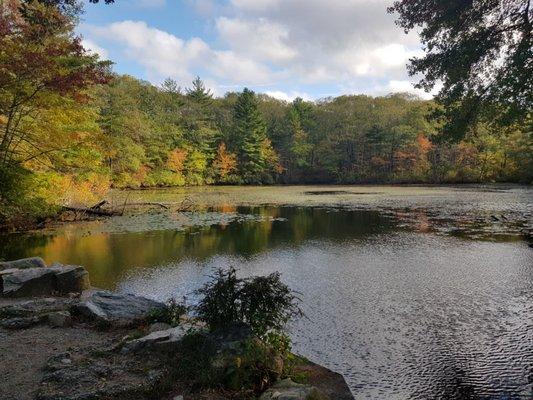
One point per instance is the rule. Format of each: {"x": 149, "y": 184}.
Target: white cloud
{"x": 92, "y": 47}
{"x": 404, "y": 86}
{"x": 287, "y": 96}
{"x": 163, "y": 55}
{"x": 261, "y": 39}
{"x": 318, "y": 41}
{"x": 279, "y": 44}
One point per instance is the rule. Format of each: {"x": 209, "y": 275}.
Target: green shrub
{"x": 264, "y": 303}
{"x": 170, "y": 314}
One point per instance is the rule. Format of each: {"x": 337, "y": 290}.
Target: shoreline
{"x": 60, "y": 335}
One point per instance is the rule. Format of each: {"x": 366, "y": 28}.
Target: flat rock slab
{"x": 17, "y": 308}
{"x": 164, "y": 342}
{"x": 24, "y": 263}
{"x": 116, "y": 309}
{"x": 45, "y": 281}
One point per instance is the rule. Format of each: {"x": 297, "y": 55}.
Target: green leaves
{"x": 263, "y": 302}
{"x": 482, "y": 53}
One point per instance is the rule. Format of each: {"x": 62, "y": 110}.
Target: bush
{"x": 170, "y": 314}
{"x": 264, "y": 303}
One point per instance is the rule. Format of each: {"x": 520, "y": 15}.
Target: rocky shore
{"x": 61, "y": 339}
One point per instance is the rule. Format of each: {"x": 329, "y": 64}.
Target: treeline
{"x": 70, "y": 129}
{"x": 166, "y": 136}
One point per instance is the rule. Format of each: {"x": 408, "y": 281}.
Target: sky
{"x": 285, "y": 48}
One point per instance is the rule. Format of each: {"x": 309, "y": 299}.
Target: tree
{"x": 225, "y": 164}
{"x": 250, "y": 131}
{"x": 43, "y": 64}
{"x": 199, "y": 94}
{"x": 171, "y": 86}
{"x": 482, "y": 52}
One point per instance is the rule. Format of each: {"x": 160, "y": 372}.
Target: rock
{"x": 35, "y": 307}
{"x": 20, "y": 323}
{"x": 59, "y": 319}
{"x": 71, "y": 279}
{"x": 164, "y": 342}
{"x": 179, "y": 397}
{"x": 31, "y": 282}
{"x": 158, "y": 326}
{"x": 34, "y": 282}
{"x": 24, "y": 263}
{"x": 114, "y": 308}
{"x": 288, "y": 390}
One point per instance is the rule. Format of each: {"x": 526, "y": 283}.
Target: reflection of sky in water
{"x": 399, "y": 298}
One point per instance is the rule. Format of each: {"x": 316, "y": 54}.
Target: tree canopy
{"x": 482, "y": 53}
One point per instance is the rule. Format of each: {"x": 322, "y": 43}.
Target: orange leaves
{"x": 176, "y": 160}
{"x": 225, "y": 162}
{"x": 424, "y": 144}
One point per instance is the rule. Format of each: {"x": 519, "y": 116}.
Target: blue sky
{"x": 286, "y": 48}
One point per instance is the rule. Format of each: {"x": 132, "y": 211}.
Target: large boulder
{"x": 24, "y": 263}
{"x": 31, "y": 282}
{"x": 46, "y": 281}
{"x": 115, "y": 308}
{"x": 289, "y": 390}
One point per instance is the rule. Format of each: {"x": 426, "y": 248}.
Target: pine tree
{"x": 199, "y": 94}
{"x": 198, "y": 118}
{"x": 250, "y": 131}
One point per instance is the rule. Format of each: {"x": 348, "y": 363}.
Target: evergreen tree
{"x": 199, "y": 94}
{"x": 250, "y": 131}
{"x": 199, "y": 120}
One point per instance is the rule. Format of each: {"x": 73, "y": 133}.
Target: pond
{"x": 410, "y": 292}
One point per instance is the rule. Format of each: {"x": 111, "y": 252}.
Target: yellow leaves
{"x": 70, "y": 189}
{"x": 176, "y": 160}
{"x": 271, "y": 158}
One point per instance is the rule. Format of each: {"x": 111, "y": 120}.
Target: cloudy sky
{"x": 286, "y": 48}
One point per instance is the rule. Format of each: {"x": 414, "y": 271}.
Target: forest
{"x": 71, "y": 129}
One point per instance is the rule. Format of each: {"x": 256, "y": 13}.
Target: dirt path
{"x": 24, "y": 353}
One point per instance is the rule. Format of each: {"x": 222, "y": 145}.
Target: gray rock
{"x": 59, "y": 319}
{"x": 35, "y": 307}
{"x": 31, "y": 282}
{"x": 71, "y": 279}
{"x": 35, "y": 282}
{"x": 32, "y": 262}
{"x": 114, "y": 308}
{"x": 20, "y": 323}
{"x": 164, "y": 342}
{"x": 178, "y": 397}
{"x": 288, "y": 390}
{"x": 158, "y": 326}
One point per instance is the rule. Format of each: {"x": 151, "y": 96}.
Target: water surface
{"x": 409, "y": 292}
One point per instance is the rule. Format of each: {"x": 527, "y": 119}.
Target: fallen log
{"x": 99, "y": 205}
{"x": 148, "y": 203}
{"x": 92, "y": 211}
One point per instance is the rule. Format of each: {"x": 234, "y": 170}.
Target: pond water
{"x": 409, "y": 292}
